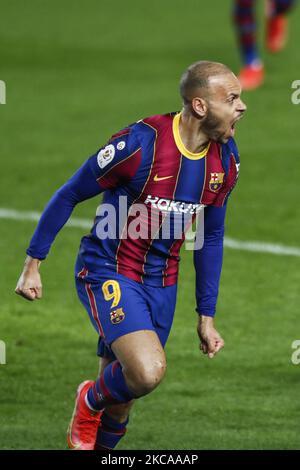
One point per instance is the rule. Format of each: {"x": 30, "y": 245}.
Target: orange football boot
{"x": 251, "y": 76}
{"x": 276, "y": 33}
{"x": 82, "y": 430}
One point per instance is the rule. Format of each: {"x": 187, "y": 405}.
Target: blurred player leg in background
{"x": 252, "y": 73}
{"x": 276, "y": 36}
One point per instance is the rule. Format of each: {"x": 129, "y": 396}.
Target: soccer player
{"x": 155, "y": 171}
{"x": 252, "y": 73}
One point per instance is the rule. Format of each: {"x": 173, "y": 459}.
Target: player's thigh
{"x": 142, "y": 358}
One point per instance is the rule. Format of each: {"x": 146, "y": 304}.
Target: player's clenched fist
{"x": 29, "y": 284}
{"x": 211, "y": 341}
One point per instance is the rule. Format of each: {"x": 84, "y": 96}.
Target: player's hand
{"x": 29, "y": 284}
{"x": 211, "y": 341}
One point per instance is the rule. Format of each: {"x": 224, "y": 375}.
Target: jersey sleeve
{"x": 231, "y": 164}
{"x": 110, "y": 167}
{"x": 118, "y": 160}
{"x": 208, "y": 261}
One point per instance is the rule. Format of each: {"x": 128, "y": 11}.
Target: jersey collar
{"x": 180, "y": 145}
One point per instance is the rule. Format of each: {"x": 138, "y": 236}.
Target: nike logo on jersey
{"x": 161, "y": 178}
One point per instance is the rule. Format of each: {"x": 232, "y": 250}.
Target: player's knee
{"x": 146, "y": 378}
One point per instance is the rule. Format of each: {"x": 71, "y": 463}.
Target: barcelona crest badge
{"x": 116, "y": 316}
{"x": 216, "y": 181}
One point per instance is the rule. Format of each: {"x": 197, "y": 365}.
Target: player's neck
{"x": 191, "y": 134}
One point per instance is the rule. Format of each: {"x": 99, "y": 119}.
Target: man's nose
{"x": 242, "y": 107}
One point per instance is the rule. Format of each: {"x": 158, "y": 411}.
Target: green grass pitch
{"x": 75, "y": 73}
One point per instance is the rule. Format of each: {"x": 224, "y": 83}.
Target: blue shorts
{"x": 118, "y": 305}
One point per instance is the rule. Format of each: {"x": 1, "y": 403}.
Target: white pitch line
{"x": 35, "y": 217}
{"x": 256, "y": 246}
{"x": 262, "y": 247}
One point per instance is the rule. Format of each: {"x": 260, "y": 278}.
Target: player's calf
{"x": 120, "y": 412}
{"x": 114, "y": 419}
{"x": 110, "y": 431}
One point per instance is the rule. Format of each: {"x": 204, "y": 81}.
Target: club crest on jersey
{"x": 216, "y": 181}
{"x": 105, "y": 156}
{"x": 116, "y": 316}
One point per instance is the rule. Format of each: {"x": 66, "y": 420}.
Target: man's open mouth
{"x": 232, "y": 129}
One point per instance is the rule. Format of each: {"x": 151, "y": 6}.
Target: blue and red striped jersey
{"x": 147, "y": 174}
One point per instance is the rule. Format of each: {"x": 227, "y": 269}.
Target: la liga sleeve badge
{"x": 105, "y": 156}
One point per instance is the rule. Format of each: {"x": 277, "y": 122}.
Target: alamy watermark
{"x": 295, "y": 98}
{"x": 2, "y": 92}
{"x": 152, "y": 219}
{"x": 2, "y": 352}
{"x": 295, "y": 358}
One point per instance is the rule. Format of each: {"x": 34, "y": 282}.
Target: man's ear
{"x": 199, "y": 106}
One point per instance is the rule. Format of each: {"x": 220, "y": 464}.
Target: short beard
{"x": 211, "y": 125}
